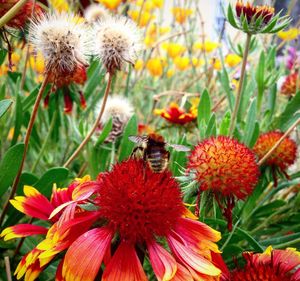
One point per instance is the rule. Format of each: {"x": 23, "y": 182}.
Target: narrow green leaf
{"x": 2, "y": 55}
{"x": 255, "y": 135}
{"x": 126, "y": 144}
{"x": 18, "y": 120}
{"x": 260, "y": 79}
{"x": 224, "y": 79}
{"x": 230, "y": 17}
{"x": 56, "y": 175}
{"x": 105, "y": 132}
{"x": 9, "y": 166}
{"x": 204, "y": 108}
{"x": 270, "y": 25}
{"x": 224, "y": 127}
{"x": 211, "y": 127}
{"x": 4, "y": 106}
{"x": 250, "y": 123}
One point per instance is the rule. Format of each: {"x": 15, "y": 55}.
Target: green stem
{"x": 241, "y": 84}
{"x": 287, "y": 244}
{"x": 45, "y": 142}
{"x": 230, "y": 235}
{"x": 12, "y": 12}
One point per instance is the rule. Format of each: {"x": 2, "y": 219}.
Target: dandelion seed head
{"x": 117, "y": 41}
{"x": 95, "y": 12}
{"x": 62, "y": 39}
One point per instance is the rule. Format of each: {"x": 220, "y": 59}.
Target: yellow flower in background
{"x": 59, "y": 5}
{"x": 197, "y": 62}
{"x": 194, "y": 108}
{"x": 217, "y": 65}
{"x": 15, "y": 58}
{"x": 174, "y": 49}
{"x": 156, "y": 66}
{"x": 182, "y": 63}
{"x": 208, "y": 46}
{"x": 158, "y": 3}
{"x": 181, "y": 14}
{"x": 110, "y": 4}
{"x": 37, "y": 63}
{"x": 164, "y": 29}
{"x": 147, "y": 5}
{"x": 149, "y": 41}
{"x": 138, "y": 65}
{"x": 3, "y": 69}
{"x": 232, "y": 60}
{"x": 170, "y": 72}
{"x": 288, "y": 35}
{"x": 142, "y": 20}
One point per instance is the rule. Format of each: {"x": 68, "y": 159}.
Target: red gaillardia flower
{"x": 132, "y": 202}
{"x": 272, "y": 265}
{"x": 283, "y": 156}
{"x": 289, "y": 85}
{"x": 227, "y": 168}
{"x": 174, "y": 114}
{"x": 59, "y": 235}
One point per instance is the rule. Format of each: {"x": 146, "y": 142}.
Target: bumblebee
{"x": 152, "y": 149}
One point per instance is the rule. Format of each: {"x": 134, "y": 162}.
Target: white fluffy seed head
{"x": 95, "y": 12}
{"x": 62, "y": 39}
{"x": 117, "y": 40}
{"x": 116, "y": 106}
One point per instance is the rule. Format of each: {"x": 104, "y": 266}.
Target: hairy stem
{"x": 26, "y": 142}
{"x": 96, "y": 123}
{"x": 241, "y": 83}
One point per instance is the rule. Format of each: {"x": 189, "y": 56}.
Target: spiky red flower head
{"x": 134, "y": 200}
{"x": 289, "y": 85}
{"x": 225, "y": 166}
{"x": 272, "y": 265}
{"x": 252, "y": 13}
{"x": 283, "y": 156}
{"x": 19, "y": 20}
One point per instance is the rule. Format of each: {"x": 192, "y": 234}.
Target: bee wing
{"x": 179, "y": 147}
{"x": 137, "y": 139}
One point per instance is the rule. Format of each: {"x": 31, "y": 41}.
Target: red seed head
{"x": 283, "y": 156}
{"x": 225, "y": 166}
{"x": 138, "y": 203}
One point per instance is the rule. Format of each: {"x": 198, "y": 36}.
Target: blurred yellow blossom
{"x": 181, "y": 14}
{"x": 110, "y": 4}
{"x": 37, "y": 63}
{"x": 208, "y": 46}
{"x": 164, "y": 29}
{"x": 289, "y": 35}
{"x": 194, "y": 108}
{"x": 3, "y": 69}
{"x": 197, "y": 62}
{"x": 143, "y": 19}
{"x": 170, "y": 72}
{"x": 59, "y": 5}
{"x": 15, "y": 58}
{"x": 155, "y": 66}
{"x": 158, "y": 3}
{"x": 174, "y": 49}
{"x": 217, "y": 65}
{"x": 138, "y": 65}
{"x": 182, "y": 63}
{"x": 232, "y": 60}
{"x": 147, "y": 5}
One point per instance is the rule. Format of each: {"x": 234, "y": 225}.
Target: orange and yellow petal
{"x": 182, "y": 274}
{"x": 163, "y": 264}
{"x": 22, "y": 230}
{"x": 110, "y": 4}
{"x": 124, "y": 265}
{"x": 84, "y": 257}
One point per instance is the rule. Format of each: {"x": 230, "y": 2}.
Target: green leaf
{"x": 260, "y": 79}
{"x": 105, "y": 132}
{"x": 126, "y": 144}
{"x": 54, "y": 175}
{"x": 230, "y": 17}
{"x": 250, "y": 123}
{"x": 2, "y": 55}
{"x": 204, "y": 108}
{"x": 270, "y": 25}
{"x": 4, "y": 106}
{"x": 255, "y": 135}
{"x": 224, "y": 79}
{"x": 9, "y": 166}
{"x": 18, "y": 120}
{"x": 280, "y": 240}
{"x": 211, "y": 127}
{"x": 224, "y": 127}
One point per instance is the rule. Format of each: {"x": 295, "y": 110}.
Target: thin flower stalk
{"x": 12, "y": 12}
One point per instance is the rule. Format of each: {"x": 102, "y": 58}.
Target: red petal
{"x": 182, "y": 274}
{"x": 124, "y": 265}
{"x": 84, "y": 257}
{"x": 22, "y": 230}
{"x": 163, "y": 264}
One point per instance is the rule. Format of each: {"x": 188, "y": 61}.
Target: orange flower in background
{"x": 110, "y": 4}
{"x": 182, "y": 63}
{"x": 227, "y": 168}
{"x": 174, "y": 49}
{"x": 272, "y": 265}
{"x": 181, "y": 14}
{"x": 289, "y": 84}
{"x": 174, "y": 114}
{"x": 155, "y": 66}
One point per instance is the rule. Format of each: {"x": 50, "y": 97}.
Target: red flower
{"x": 226, "y": 167}
{"x": 252, "y": 13}
{"x": 283, "y": 156}
{"x": 174, "y": 114}
{"x": 19, "y": 20}
{"x": 289, "y": 85}
{"x": 272, "y": 265}
{"x": 133, "y": 201}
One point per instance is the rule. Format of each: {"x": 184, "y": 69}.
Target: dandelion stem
{"x": 7, "y": 268}
{"x": 96, "y": 123}
{"x": 268, "y": 154}
{"x": 26, "y": 142}
{"x": 45, "y": 142}
{"x": 12, "y": 12}
{"x": 241, "y": 84}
